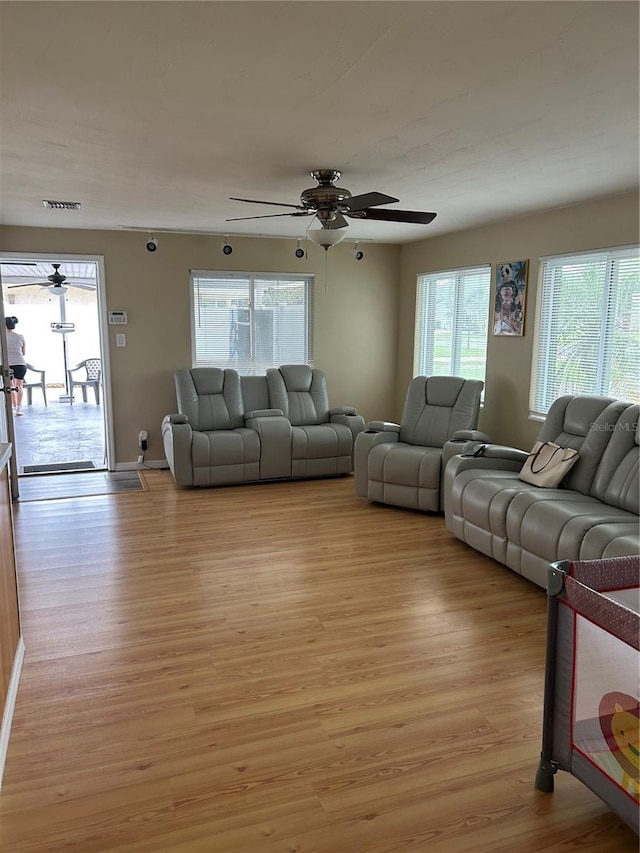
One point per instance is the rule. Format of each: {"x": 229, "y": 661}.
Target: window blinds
{"x": 587, "y": 338}
{"x": 452, "y": 318}
{"x": 251, "y": 321}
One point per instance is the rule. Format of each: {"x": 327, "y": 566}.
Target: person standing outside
{"x": 17, "y": 362}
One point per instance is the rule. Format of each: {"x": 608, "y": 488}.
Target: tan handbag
{"x": 547, "y": 464}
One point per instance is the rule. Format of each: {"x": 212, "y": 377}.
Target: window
{"x": 251, "y": 321}
{"x": 587, "y": 337}
{"x": 452, "y": 320}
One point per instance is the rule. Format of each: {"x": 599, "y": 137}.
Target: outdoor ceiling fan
{"x": 330, "y": 204}
{"x": 57, "y": 282}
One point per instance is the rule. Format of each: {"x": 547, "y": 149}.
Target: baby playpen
{"x": 592, "y": 695}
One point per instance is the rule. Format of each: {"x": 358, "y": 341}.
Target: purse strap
{"x": 549, "y": 460}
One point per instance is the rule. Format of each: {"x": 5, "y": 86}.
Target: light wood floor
{"x": 282, "y": 668}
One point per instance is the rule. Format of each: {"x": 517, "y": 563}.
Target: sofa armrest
{"x": 274, "y": 432}
{"x": 176, "y": 439}
{"x": 383, "y": 426}
{"x": 264, "y": 413}
{"x": 497, "y": 451}
{"x": 352, "y": 420}
{"x": 470, "y": 435}
{"x": 363, "y": 445}
{"x": 343, "y": 410}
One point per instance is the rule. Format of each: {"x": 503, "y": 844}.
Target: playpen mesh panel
{"x": 606, "y": 699}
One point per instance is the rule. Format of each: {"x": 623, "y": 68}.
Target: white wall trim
{"x": 10, "y": 704}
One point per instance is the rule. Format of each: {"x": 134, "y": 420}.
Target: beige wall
{"x": 364, "y": 311}
{"x": 355, "y": 326}
{"x": 611, "y": 221}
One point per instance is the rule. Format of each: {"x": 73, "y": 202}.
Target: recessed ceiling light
{"x": 61, "y": 205}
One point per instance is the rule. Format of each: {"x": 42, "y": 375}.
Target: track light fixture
{"x": 358, "y": 254}
{"x": 227, "y": 249}
{"x": 152, "y": 244}
{"x": 299, "y": 251}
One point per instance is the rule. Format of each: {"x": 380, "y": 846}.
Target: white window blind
{"x": 587, "y": 338}
{"x": 251, "y": 321}
{"x": 452, "y": 319}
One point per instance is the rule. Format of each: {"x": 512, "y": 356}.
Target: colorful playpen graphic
{"x": 592, "y": 683}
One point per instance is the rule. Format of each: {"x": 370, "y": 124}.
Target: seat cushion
{"x": 321, "y": 441}
{"x": 554, "y": 524}
{"x": 225, "y": 447}
{"x": 405, "y": 475}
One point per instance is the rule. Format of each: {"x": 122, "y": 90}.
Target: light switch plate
{"x": 121, "y": 340}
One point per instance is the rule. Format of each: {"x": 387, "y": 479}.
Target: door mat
{"x": 79, "y": 485}
{"x": 58, "y": 466}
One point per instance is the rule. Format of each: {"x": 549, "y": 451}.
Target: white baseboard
{"x": 10, "y": 704}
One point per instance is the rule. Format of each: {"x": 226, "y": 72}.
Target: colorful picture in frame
{"x": 510, "y": 297}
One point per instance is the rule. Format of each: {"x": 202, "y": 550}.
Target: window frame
{"x": 252, "y": 277}
{"x": 422, "y": 337}
{"x": 549, "y": 321}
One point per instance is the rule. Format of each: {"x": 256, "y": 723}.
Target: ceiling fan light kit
{"x": 325, "y": 238}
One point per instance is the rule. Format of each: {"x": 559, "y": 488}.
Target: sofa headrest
{"x": 442, "y": 390}
{"x": 208, "y": 380}
{"x": 581, "y": 412}
{"x": 297, "y": 377}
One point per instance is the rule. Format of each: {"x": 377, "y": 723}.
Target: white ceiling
{"x": 152, "y": 114}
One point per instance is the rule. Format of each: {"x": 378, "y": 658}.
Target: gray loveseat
{"x": 239, "y": 429}
{"x": 592, "y": 514}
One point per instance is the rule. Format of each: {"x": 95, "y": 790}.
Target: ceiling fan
{"x": 330, "y": 204}
{"x": 57, "y": 282}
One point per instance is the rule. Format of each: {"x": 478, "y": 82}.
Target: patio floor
{"x": 60, "y": 433}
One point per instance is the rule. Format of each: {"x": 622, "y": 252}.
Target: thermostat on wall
{"x": 117, "y": 318}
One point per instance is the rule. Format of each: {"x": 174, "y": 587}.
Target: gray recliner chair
{"x": 322, "y": 439}
{"x": 403, "y": 464}
{"x": 207, "y": 442}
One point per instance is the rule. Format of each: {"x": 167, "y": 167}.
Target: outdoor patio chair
{"x": 29, "y": 385}
{"x": 92, "y": 373}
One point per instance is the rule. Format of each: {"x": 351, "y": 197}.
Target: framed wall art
{"x": 510, "y": 298}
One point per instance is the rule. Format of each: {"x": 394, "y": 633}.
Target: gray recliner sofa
{"x": 240, "y": 429}
{"x": 592, "y": 514}
{"x": 402, "y": 464}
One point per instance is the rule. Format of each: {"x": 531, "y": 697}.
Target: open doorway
{"x": 62, "y": 423}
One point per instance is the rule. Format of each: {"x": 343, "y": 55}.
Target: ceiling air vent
{"x": 61, "y": 205}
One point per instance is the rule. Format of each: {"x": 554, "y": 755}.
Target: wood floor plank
{"x": 279, "y": 668}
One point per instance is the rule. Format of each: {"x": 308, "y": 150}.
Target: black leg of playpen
{"x": 547, "y": 767}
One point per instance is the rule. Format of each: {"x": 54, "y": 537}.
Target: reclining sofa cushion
{"x": 220, "y": 448}
{"x": 321, "y": 445}
{"x": 211, "y": 398}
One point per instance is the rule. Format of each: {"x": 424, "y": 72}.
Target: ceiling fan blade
{"x": 360, "y": 202}
{"x": 394, "y": 216}
{"x": 338, "y": 222}
{"x": 256, "y": 201}
{"x": 271, "y": 215}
